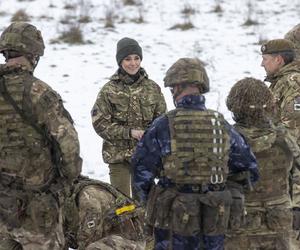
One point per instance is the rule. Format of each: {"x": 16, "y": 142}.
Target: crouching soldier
{"x": 268, "y": 217}
{"x": 97, "y": 216}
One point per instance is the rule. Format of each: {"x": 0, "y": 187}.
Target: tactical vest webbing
{"x": 199, "y": 147}
{"x": 25, "y": 153}
{"x": 275, "y": 163}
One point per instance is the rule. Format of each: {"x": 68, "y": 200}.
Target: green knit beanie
{"x": 127, "y": 46}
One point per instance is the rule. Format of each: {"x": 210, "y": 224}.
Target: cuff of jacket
{"x": 127, "y": 133}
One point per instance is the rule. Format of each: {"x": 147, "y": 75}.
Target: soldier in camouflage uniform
{"x": 283, "y": 71}
{"x": 294, "y": 36}
{"x": 39, "y": 147}
{"x": 191, "y": 150}
{"x": 97, "y": 216}
{"x": 268, "y": 211}
{"x": 125, "y": 106}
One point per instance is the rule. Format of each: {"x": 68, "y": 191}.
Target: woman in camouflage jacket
{"x": 125, "y": 106}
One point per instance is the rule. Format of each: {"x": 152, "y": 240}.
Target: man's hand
{"x": 137, "y": 133}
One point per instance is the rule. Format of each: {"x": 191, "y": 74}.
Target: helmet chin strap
{"x": 177, "y": 90}
{"x": 33, "y": 59}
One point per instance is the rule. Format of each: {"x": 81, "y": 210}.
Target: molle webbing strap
{"x": 10, "y": 100}
{"x": 199, "y": 146}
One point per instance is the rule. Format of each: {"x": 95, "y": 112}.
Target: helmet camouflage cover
{"x": 294, "y": 36}
{"x": 187, "y": 70}
{"x": 250, "y": 100}
{"x": 22, "y": 37}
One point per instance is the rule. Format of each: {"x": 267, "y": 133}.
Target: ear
{"x": 279, "y": 60}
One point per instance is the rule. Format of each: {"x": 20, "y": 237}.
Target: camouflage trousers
{"x": 35, "y": 223}
{"x": 121, "y": 177}
{"x": 116, "y": 242}
{"x": 276, "y": 241}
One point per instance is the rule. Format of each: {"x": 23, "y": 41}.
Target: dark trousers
{"x": 180, "y": 242}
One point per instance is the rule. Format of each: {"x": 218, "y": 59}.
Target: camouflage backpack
{"x": 124, "y": 217}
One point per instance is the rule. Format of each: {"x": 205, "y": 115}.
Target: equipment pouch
{"x": 216, "y": 215}
{"x": 279, "y": 218}
{"x": 163, "y": 206}
{"x": 253, "y": 219}
{"x": 237, "y": 209}
{"x": 296, "y": 219}
{"x": 186, "y": 215}
{"x": 150, "y": 214}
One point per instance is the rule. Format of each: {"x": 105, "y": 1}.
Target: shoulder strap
{"x": 54, "y": 147}
{"x": 121, "y": 199}
{"x": 10, "y": 100}
{"x": 171, "y": 115}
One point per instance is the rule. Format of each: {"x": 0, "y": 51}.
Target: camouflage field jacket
{"x": 25, "y": 152}
{"x": 122, "y": 105}
{"x": 285, "y": 86}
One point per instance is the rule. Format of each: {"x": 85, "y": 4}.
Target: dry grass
{"x": 109, "y": 18}
{"x": 129, "y": 2}
{"x": 188, "y": 10}
{"x": 69, "y": 6}
{"x": 20, "y": 16}
{"x": 84, "y": 19}
{"x": 218, "y": 9}
{"x": 183, "y": 26}
{"x": 250, "y": 22}
{"x": 72, "y": 36}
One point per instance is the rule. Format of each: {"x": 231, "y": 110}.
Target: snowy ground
{"x": 77, "y": 72}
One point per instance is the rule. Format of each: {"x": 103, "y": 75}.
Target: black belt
{"x": 197, "y": 188}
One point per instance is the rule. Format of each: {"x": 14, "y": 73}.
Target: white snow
{"x": 77, "y": 72}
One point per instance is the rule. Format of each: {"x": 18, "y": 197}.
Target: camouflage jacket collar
{"x": 126, "y": 79}
{"x": 293, "y": 67}
{"x": 192, "y": 102}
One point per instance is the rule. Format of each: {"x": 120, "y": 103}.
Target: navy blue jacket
{"x": 156, "y": 144}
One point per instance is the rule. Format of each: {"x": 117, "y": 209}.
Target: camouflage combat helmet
{"x": 22, "y": 37}
{"x": 187, "y": 70}
{"x": 250, "y": 101}
{"x": 294, "y": 36}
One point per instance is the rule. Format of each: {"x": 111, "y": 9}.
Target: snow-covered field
{"x": 77, "y": 72}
